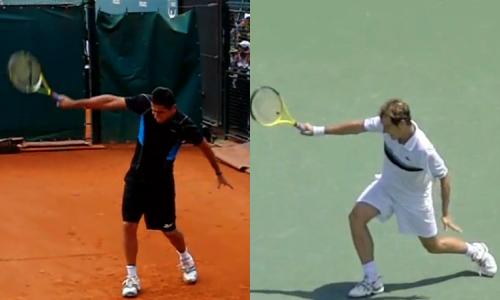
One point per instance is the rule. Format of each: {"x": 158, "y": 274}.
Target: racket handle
{"x": 299, "y": 126}
{"x": 56, "y": 96}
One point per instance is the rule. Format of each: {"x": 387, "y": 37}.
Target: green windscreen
{"x": 55, "y": 35}
{"x": 141, "y": 51}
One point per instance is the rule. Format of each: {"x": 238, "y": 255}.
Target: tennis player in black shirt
{"x": 149, "y": 183}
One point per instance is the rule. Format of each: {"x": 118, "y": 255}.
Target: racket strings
{"x": 266, "y": 106}
{"x": 30, "y": 71}
{"x": 25, "y": 72}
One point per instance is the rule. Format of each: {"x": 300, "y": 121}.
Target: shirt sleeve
{"x": 436, "y": 164}
{"x": 138, "y": 104}
{"x": 373, "y": 125}
{"x": 190, "y": 133}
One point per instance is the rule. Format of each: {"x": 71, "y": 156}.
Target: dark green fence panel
{"x": 55, "y": 35}
{"x": 140, "y": 51}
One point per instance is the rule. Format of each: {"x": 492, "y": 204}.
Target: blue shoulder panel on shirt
{"x": 140, "y": 136}
{"x": 175, "y": 149}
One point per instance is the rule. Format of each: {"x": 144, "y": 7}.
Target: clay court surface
{"x": 61, "y": 229}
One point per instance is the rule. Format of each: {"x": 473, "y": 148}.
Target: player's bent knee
{"x": 362, "y": 213}
{"x": 174, "y": 235}
{"x": 431, "y": 245}
{"x": 130, "y": 227}
{"x": 171, "y": 233}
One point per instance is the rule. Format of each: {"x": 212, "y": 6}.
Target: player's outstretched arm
{"x": 212, "y": 159}
{"x": 102, "y": 102}
{"x": 349, "y": 128}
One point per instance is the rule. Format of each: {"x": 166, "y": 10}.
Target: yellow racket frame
{"x": 284, "y": 118}
{"x": 41, "y": 87}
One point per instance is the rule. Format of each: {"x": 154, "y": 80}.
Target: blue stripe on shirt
{"x": 175, "y": 149}
{"x": 140, "y": 136}
{"x": 173, "y": 152}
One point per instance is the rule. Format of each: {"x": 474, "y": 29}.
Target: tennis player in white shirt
{"x": 411, "y": 164}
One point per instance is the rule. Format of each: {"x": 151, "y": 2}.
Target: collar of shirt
{"x": 410, "y": 144}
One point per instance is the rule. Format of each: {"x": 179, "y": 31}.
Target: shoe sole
{"x": 190, "y": 282}
{"x": 131, "y": 295}
{"x": 373, "y": 293}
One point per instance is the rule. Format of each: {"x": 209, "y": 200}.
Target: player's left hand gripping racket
{"x": 26, "y": 75}
{"x": 268, "y": 108}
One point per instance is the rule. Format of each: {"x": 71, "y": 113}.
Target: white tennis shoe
{"x": 189, "y": 272}
{"x": 485, "y": 261}
{"x": 131, "y": 287}
{"x": 367, "y": 288}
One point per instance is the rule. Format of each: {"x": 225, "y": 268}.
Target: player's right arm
{"x": 138, "y": 104}
{"x": 350, "y": 128}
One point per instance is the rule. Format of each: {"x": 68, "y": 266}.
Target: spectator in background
{"x": 244, "y": 28}
{"x": 241, "y": 83}
{"x": 240, "y": 58}
{"x": 238, "y": 80}
{"x": 240, "y": 45}
{"x": 234, "y": 56}
{"x": 244, "y": 56}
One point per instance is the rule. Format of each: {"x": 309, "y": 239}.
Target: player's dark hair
{"x": 396, "y": 110}
{"x": 164, "y": 97}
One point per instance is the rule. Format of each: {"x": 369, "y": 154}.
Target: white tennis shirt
{"x": 408, "y": 168}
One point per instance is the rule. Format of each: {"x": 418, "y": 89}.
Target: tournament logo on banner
{"x": 172, "y": 8}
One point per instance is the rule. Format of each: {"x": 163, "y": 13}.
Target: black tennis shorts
{"x": 153, "y": 198}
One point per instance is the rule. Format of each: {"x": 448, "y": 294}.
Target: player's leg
{"x": 160, "y": 215}
{"x": 417, "y": 218}
{"x": 187, "y": 263}
{"x": 373, "y": 202}
{"x": 132, "y": 210}
{"x": 477, "y": 252}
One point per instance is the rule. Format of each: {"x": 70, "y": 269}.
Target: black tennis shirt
{"x": 158, "y": 143}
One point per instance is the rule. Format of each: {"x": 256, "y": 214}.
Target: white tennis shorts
{"x": 415, "y": 215}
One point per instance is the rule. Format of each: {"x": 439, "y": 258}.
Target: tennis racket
{"x": 268, "y": 108}
{"x": 25, "y": 74}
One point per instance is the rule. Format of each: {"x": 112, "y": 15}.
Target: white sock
{"x": 131, "y": 270}
{"x": 184, "y": 255}
{"x": 371, "y": 271}
{"x": 471, "y": 250}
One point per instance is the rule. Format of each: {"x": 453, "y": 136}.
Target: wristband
{"x": 319, "y": 130}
